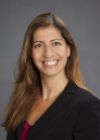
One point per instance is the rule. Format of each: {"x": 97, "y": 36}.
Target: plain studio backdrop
{"x": 82, "y": 17}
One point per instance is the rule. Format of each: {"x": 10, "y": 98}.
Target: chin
{"x": 50, "y": 73}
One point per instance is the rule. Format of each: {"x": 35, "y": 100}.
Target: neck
{"x": 52, "y": 86}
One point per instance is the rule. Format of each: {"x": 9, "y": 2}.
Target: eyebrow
{"x": 50, "y": 40}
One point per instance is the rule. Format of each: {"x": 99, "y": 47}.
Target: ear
{"x": 68, "y": 51}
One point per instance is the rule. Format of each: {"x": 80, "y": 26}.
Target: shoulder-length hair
{"x": 28, "y": 84}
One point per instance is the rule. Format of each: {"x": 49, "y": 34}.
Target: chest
{"x": 38, "y": 110}
{"x": 58, "y": 125}
{"x": 53, "y": 121}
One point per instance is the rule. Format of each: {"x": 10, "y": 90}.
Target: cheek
{"x": 63, "y": 53}
{"x": 35, "y": 54}
{"x": 66, "y": 52}
{"x": 36, "y": 58}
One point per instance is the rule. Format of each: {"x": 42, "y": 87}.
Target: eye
{"x": 37, "y": 45}
{"x": 56, "y": 44}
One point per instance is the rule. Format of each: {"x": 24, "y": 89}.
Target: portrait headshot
{"x": 49, "y": 97}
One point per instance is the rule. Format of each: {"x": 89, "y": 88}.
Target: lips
{"x": 50, "y": 62}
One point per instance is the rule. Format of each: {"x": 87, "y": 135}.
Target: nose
{"x": 48, "y": 51}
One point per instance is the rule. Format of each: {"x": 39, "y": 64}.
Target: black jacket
{"x": 75, "y": 115}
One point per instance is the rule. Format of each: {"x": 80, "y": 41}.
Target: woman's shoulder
{"x": 83, "y": 96}
{"x": 88, "y": 118}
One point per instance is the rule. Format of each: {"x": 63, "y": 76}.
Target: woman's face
{"x": 49, "y": 51}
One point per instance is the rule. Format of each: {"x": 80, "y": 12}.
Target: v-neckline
{"x": 60, "y": 101}
{"x": 52, "y": 108}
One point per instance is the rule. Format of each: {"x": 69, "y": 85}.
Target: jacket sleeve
{"x": 88, "y": 121}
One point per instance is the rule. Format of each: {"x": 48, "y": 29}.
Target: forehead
{"x": 46, "y": 33}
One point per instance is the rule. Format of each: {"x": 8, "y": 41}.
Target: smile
{"x": 50, "y": 63}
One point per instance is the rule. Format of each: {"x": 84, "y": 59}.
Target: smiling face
{"x": 49, "y": 51}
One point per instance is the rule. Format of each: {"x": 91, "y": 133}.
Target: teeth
{"x": 50, "y": 63}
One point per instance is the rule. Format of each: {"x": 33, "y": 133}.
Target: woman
{"x": 50, "y": 100}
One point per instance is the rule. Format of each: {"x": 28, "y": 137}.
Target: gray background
{"x": 83, "y": 20}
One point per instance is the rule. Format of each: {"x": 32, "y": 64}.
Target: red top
{"x": 25, "y": 130}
